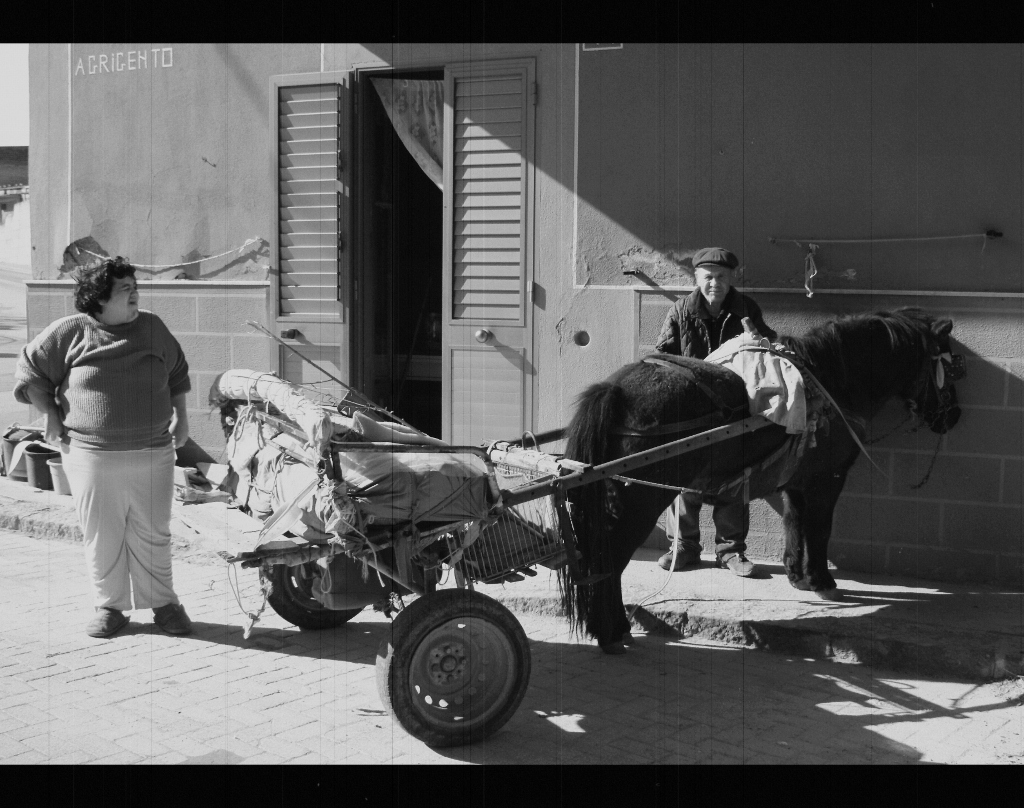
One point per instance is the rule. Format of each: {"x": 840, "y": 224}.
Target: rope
{"x": 986, "y": 236}
{"x": 931, "y": 466}
{"x": 679, "y": 489}
{"x": 668, "y": 577}
{"x": 238, "y": 250}
{"x": 253, "y": 616}
{"x": 811, "y": 269}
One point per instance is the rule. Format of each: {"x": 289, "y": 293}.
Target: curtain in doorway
{"x": 416, "y": 110}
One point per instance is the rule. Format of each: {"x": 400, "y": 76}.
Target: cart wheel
{"x": 291, "y": 597}
{"x": 455, "y": 668}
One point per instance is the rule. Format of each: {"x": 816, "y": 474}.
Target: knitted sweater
{"x": 114, "y": 383}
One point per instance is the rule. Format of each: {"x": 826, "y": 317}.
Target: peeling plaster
{"x": 668, "y": 264}
{"x": 563, "y": 332}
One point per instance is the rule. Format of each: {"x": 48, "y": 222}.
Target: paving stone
{"x": 296, "y": 696}
{"x": 30, "y": 757}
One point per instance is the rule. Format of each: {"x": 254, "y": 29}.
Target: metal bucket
{"x": 60, "y": 479}
{"x": 36, "y": 458}
{"x": 12, "y": 438}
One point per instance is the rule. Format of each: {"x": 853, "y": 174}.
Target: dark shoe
{"x": 737, "y": 563}
{"x": 684, "y": 558}
{"x": 106, "y": 623}
{"x": 172, "y": 619}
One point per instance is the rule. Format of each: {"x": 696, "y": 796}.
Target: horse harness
{"x": 723, "y": 414}
{"x": 795, "y": 446}
{"x": 949, "y": 367}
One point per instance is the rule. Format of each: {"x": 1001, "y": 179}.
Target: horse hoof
{"x": 829, "y": 594}
{"x": 614, "y": 648}
{"x": 627, "y": 639}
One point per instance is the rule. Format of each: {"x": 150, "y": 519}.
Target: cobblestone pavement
{"x": 290, "y": 696}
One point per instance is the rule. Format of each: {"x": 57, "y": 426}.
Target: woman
{"x": 111, "y": 383}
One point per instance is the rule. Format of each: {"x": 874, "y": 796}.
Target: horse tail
{"x": 599, "y": 408}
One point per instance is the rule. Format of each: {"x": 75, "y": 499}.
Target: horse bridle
{"x": 948, "y": 368}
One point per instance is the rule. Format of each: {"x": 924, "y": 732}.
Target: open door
{"x": 397, "y": 304}
{"x": 487, "y": 341}
{"x": 312, "y": 148}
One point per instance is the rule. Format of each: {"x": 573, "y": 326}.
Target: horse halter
{"x": 948, "y": 368}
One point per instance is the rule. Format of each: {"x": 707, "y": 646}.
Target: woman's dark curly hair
{"x": 93, "y": 285}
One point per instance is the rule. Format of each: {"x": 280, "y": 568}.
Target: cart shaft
{"x": 647, "y": 457}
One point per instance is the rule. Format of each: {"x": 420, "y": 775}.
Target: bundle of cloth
{"x": 372, "y": 486}
{"x": 774, "y": 385}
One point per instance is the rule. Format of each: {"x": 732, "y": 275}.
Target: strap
{"x": 824, "y": 393}
{"x": 704, "y": 422}
{"x": 716, "y": 399}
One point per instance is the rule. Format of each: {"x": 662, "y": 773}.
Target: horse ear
{"x": 942, "y": 328}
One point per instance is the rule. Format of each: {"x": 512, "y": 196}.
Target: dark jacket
{"x": 690, "y": 330}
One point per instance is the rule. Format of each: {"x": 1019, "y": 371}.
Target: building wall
{"x": 205, "y": 322}
{"x": 169, "y": 162}
{"x": 684, "y": 146}
{"x": 644, "y": 154}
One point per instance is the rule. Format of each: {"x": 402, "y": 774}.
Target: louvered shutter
{"x": 313, "y": 205}
{"x": 487, "y": 356}
{"x": 489, "y": 117}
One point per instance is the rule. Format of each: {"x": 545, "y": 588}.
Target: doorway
{"x": 399, "y": 278}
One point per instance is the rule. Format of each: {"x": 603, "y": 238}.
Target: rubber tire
{"x": 291, "y": 598}
{"x": 405, "y": 661}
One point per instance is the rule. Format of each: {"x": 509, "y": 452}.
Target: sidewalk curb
{"x": 960, "y": 657}
{"x": 40, "y": 527}
{"x": 956, "y": 656}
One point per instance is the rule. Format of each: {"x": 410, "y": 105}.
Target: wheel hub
{"x": 447, "y": 662}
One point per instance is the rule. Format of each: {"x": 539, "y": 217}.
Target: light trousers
{"x": 123, "y": 500}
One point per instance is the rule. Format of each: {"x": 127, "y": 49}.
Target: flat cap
{"x": 715, "y": 256}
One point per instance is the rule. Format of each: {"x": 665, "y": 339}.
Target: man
{"x": 695, "y": 326}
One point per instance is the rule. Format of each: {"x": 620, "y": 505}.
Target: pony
{"x": 860, "y": 360}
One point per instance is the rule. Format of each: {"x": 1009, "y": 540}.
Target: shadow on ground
{"x": 691, "y": 703}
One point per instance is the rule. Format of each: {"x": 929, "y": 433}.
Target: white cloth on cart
{"x": 249, "y": 385}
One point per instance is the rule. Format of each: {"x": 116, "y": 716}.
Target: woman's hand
{"x": 53, "y": 419}
{"x": 54, "y": 428}
{"x": 179, "y": 421}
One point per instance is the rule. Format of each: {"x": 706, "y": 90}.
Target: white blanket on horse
{"x": 774, "y": 384}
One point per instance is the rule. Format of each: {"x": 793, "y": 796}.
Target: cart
{"x": 457, "y": 663}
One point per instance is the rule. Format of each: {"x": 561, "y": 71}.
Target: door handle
{"x": 483, "y": 335}
{"x": 290, "y": 333}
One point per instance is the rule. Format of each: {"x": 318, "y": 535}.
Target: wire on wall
{"x": 811, "y": 269}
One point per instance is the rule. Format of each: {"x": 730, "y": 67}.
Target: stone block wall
{"x": 207, "y": 318}
{"x": 966, "y": 523}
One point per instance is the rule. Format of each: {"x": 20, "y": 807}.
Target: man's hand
{"x": 748, "y": 327}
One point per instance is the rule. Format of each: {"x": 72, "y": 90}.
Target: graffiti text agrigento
{"x": 125, "y": 60}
